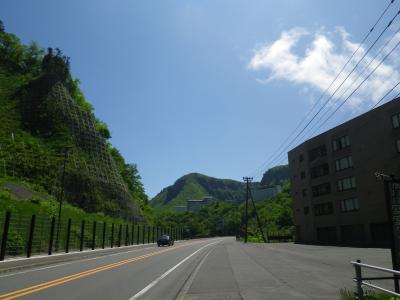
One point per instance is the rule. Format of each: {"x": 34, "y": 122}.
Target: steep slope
{"x": 50, "y": 137}
{"x": 196, "y": 186}
{"x": 275, "y": 175}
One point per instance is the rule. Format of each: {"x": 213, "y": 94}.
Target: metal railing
{"x": 362, "y": 281}
{"x": 28, "y": 235}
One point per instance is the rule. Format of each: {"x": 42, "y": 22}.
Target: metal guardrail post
{"x": 30, "y": 239}
{"x": 154, "y": 234}
{"x": 82, "y": 235}
{"x": 5, "y": 236}
{"x": 112, "y": 235}
{"x": 119, "y": 235}
{"x": 68, "y": 235}
{"x": 126, "y": 235}
{"x": 103, "y": 243}
{"x": 143, "y": 234}
{"x": 148, "y": 234}
{"x": 94, "y": 235}
{"x": 51, "y": 239}
{"x": 137, "y": 234}
{"x": 132, "y": 233}
{"x": 360, "y": 292}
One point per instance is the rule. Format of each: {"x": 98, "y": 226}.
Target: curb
{"x": 41, "y": 260}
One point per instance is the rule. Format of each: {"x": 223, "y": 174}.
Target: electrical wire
{"x": 275, "y": 156}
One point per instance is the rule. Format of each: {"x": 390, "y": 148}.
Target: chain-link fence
{"x": 27, "y": 235}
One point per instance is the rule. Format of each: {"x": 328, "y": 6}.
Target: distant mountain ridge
{"x": 276, "y": 175}
{"x": 197, "y": 186}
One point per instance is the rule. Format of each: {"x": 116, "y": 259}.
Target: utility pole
{"x": 391, "y": 188}
{"x": 61, "y": 199}
{"x": 247, "y": 180}
{"x": 258, "y": 219}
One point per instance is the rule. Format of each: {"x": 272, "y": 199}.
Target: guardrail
{"x": 28, "y": 235}
{"x": 361, "y": 281}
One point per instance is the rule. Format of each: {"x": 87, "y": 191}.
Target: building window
{"x": 304, "y": 192}
{"x": 396, "y": 120}
{"x": 301, "y": 158}
{"x": 319, "y": 171}
{"x": 346, "y": 184}
{"x": 344, "y": 163}
{"x": 322, "y": 189}
{"x": 349, "y": 205}
{"x": 341, "y": 143}
{"x": 318, "y": 152}
{"x": 323, "y": 209}
{"x": 303, "y": 175}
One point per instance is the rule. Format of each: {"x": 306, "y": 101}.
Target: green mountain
{"x": 197, "y": 186}
{"x": 51, "y": 138}
{"x": 275, "y": 175}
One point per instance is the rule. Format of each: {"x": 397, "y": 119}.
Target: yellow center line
{"x": 46, "y": 285}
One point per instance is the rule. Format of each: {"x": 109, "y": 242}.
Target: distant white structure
{"x": 194, "y": 205}
{"x": 180, "y": 208}
{"x": 265, "y": 192}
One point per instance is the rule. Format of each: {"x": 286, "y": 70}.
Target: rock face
{"x": 275, "y": 175}
{"x": 50, "y": 137}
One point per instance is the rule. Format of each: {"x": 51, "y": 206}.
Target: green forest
{"x": 226, "y": 218}
{"x": 53, "y": 147}
{"x": 196, "y": 186}
{"x": 52, "y": 142}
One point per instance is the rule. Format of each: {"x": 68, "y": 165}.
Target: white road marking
{"x": 74, "y": 261}
{"x": 189, "y": 282}
{"x": 153, "y": 283}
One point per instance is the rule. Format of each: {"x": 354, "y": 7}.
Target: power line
{"x": 397, "y": 95}
{"x": 277, "y": 154}
{"x": 369, "y": 75}
{"x": 365, "y": 79}
{"x": 266, "y": 163}
{"x": 316, "y": 124}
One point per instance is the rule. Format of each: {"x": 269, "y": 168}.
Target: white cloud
{"x": 321, "y": 60}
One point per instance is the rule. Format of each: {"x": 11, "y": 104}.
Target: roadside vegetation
{"x": 38, "y": 125}
{"x": 227, "y": 218}
{"x": 44, "y": 205}
{"x": 34, "y": 136}
{"x": 346, "y": 294}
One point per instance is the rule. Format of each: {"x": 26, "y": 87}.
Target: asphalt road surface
{"x": 218, "y": 268}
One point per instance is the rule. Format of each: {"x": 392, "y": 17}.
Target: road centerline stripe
{"x": 72, "y": 262}
{"x": 55, "y": 282}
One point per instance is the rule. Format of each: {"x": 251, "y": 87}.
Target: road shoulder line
{"x": 189, "y": 281}
{"x": 158, "y": 279}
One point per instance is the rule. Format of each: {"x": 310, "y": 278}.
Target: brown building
{"x": 336, "y": 196}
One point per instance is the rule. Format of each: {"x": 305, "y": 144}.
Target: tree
{"x": 103, "y": 129}
{"x": 2, "y": 29}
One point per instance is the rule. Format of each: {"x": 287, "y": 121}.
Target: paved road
{"x": 219, "y": 268}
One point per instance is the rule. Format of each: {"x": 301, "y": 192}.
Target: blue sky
{"x": 194, "y": 86}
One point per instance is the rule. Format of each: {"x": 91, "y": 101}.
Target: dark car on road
{"x": 165, "y": 240}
